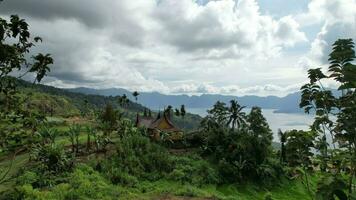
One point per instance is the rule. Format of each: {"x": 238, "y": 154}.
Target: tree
{"x": 236, "y": 116}
{"x": 298, "y": 147}
{"x": 343, "y": 107}
{"x": 243, "y": 153}
{"x": 298, "y": 152}
{"x": 15, "y": 46}
{"x": 123, "y": 101}
{"x": 73, "y": 134}
{"x": 341, "y": 67}
{"x": 182, "y": 113}
{"x": 135, "y": 94}
{"x": 110, "y": 117}
{"x": 168, "y": 111}
{"x": 177, "y": 112}
{"x": 219, "y": 113}
{"x": 262, "y": 134}
{"x": 283, "y": 139}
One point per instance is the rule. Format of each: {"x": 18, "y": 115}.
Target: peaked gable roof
{"x": 144, "y": 121}
{"x": 163, "y": 123}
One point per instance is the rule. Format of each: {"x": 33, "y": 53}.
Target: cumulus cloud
{"x": 225, "y": 28}
{"x": 169, "y": 46}
{"x": 338, "y": 19}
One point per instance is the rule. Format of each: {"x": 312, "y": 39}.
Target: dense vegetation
{"x": 61, "y": 145}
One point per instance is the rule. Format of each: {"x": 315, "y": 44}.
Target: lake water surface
{"x": 283, "y": 121}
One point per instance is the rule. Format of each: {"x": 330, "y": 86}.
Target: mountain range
{"x": 157, "y": 101}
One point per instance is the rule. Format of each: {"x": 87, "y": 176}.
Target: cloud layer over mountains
{"x": 185, "y": 46}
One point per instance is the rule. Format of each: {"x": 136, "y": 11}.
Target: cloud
{"x": 168, "y": 46}
{"x": 338, "y": 19}
{"x": 225, "y": 28}
{"x": 263, "y": 90}
{"x": 118, "y": 18}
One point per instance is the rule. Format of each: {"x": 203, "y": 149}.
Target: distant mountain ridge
{"x": 155, "y": 100}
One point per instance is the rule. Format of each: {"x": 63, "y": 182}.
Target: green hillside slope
{"x": 58, "y": 102}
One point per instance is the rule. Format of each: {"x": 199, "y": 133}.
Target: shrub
{"x": 193, "y": 170}
{"x": 84, "y": 183}
{"x": 119, "y": 177}
{"x": 330, "y": 187}
{"x": 137, "y": 156}
{"x": 28, "y": 177}
{"x": 52, "y": 158}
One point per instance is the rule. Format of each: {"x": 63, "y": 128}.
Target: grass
{"x": 17, "y": 164}
{"x": 167, "y": 189}
{"x": 291, "y": 190}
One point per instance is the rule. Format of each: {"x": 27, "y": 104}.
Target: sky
{"x": 233, "y": 47}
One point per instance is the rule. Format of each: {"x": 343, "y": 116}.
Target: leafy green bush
{"x": 138, "y": 156}
{"x": 119, "y": 177}
{"x": 29, "y": 177}
{"x": 87, "y": 183}
{"x": 52, "y": 158}
{"x": 193, "y": 170}
{"x": 84, "y": 183}
{"x": 330, "y": 187}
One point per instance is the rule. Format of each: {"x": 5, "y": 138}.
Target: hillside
{"x": 64, "y": 103}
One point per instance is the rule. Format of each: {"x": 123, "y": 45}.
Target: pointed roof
{"x": 144, "y": 121}
{"x": 165, "y": 118}
{"x": 160, "y": 123}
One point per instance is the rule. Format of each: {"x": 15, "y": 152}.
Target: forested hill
{"x": 155, "y": 100}
{"x": 67, "y": 103}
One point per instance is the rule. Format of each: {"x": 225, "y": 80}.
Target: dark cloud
{"x": 89, "y": 12}
{"x": 110, "y": 15}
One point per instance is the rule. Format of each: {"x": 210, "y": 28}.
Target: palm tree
{"x": 236, "y": 116}
{"x": 123, "y": 100}
{"x": 219, "y": 113}
{"x": 283, "y": 139}
{"x": 168, "y": 111}
{"x": 182, "y": 113}
{"x": 73, "y": 134}
{"x": 177, "y": 112}
{"x": 135, "y": 94}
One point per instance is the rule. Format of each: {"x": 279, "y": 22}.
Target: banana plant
{"x": 73, "y": 134}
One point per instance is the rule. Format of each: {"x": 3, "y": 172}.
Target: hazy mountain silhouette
{"x": 155, "y": 100}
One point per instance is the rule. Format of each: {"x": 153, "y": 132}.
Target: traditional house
{"x": 159, "y": 125}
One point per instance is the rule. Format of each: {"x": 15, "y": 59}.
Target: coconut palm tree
{"x": 177, "y": 112}
{"x": 123, "y": 100}
{"x": 135, "y": 94}
{"x": 235, "y": 115}
{"x": 168, "y": 111}
{"x": 283, "y": 139}
{"x": 182, "y": 113}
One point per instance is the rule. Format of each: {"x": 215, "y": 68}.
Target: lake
{"x": 283, "y": 121}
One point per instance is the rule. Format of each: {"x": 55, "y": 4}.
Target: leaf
{"x": 315, "y": 75}
{"x": 37, "y": 39}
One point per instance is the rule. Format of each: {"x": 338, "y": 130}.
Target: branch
{"x": 3, "y": 178}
